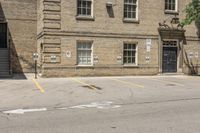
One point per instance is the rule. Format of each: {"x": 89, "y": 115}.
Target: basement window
{"x": 84, "y": 53}
{"x": 130, "y": 54}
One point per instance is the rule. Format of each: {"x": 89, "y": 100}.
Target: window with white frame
{"x": 130, "y": 9}
{"x": 130, "y": 53}
{"x": 84, "y": 53}
{"x": 171, "y": 5}
{"x": 84, "y": 7}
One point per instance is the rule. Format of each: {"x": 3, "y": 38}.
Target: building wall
{"x": 20, "y": 16}
{"x": 150, "y": 13}
{"x": 191, "y": 57}
{"x": 62, "y": 29}
{"x": 107, "y": 51}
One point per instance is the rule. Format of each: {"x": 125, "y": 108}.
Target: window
{"x": 3, "y": 35}
{"x": 171, "y": 5}
{"x": 130, "y": 9}
{"x": 130, "y": 51}
{"x": 84, "y": 53}
{"x": 84, "y": 8}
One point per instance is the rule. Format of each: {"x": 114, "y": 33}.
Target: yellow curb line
{"x": 38, "y": 86}
{"x": 83, "y": 83}
{"x": 168, "y": 82}
{"x": 128, "y": 83}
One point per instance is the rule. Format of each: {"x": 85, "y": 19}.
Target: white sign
{"x": 95, "y": 59}
{"x": 148, "y": 42}
{"x": 35, "y": 56}
{"x": 147, "y": 59}
{"x": 190, "y": 55}
{"x": 53, "y": 58}
{"x": 148, "y": 48}
{"x": 68, "y": 54}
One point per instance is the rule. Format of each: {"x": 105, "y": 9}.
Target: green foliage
{"x": 192, "y": 12}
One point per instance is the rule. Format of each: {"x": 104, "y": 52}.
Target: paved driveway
{"x": 64, "y": 92}
{"x": 135, "y": 104}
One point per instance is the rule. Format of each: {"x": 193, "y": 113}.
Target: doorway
{"x": 3, "y": 36}
{"x": 170, "y": 56}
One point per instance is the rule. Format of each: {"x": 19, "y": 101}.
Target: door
{"x": 169, "y": 59}
{"x": 3, "y": 35}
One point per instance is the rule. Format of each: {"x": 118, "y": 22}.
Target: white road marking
{"x": 98, "y": 105}
{"x": 22, "y": 111}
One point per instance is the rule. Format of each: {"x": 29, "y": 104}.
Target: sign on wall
{"x": 53, "y": 58}
{"x": 68, "y": 54}
{"x": 147, "y": 58}
{"x": 148, "y": 45}
{"x": 95, "y": 59}
{"x": 190, "y": 55}
{"x": 148, "y": 42}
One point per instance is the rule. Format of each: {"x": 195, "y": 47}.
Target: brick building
{"x": 18, "y": 32}
{"x": 103, "y": 37}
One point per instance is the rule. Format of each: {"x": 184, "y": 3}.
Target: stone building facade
{"x": 103, "y": 37}
{"x": 18, "y": 32}
{"x": 115, "y": 37}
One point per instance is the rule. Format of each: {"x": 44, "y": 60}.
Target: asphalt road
{"x": 154, "y": 104}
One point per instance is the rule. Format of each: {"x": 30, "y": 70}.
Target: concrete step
{"x": 4, "y": 52}
{"x": 4, "y": 73}
{"x": 4, "y": 66}
{"x": 4, "y": 60}
{"x": 4, "y": 56}
{"x": 5, "y": 76}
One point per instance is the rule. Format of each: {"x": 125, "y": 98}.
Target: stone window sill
{"x": 171, "y": 12}
{"x": 131, "y": 21}
{"x": 86, "y": 18}
{"x": 130, "y": 65}
{"x": 84, "y": 66}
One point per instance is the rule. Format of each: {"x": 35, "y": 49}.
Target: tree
{"x": 192, "y": 12}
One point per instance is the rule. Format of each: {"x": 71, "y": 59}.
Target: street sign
{"x": 35, "y": 56}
